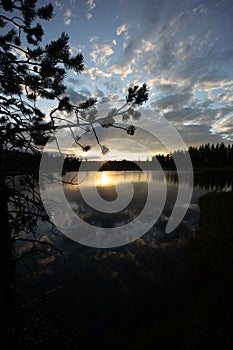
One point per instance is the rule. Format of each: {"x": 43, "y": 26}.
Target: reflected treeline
{"x": 218, "y": 180}
{"x": 209, "y": 180}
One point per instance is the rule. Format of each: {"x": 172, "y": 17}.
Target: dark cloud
{"x": 99, "y": 93}
{"x": 105, "y": 99}
{"x": 77, "y": 97}
{"x": 181, "y": 115}
{"x": 174, "y": 102}
{"x": 76, "y": 82}
{"x": 198, "y": 134}
{"x": 130, "y": 47}
{"x": 114, "y": 86}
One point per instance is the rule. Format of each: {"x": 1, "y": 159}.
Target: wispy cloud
{"x": 224, "y": 126}
{"x": 121, "y": 29}
{"x": 78, "y": 96}
{"x": 93, "y": 38}
{"x": 67, "y": 17}
{"x": 59, "y": 4}
{"x": 95, "y": 73}
{"x": 123, "y": 70}
{"x": 74, "y": 50}
{"x": 183, "y": 50}
{"x": 90, "y": 5}
{"x": 100, "y": 53}
{"x": 89, "y": 15}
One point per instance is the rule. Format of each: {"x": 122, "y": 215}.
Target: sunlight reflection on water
{"x": 106, "y": 183}
{"x": 107, "y": 178}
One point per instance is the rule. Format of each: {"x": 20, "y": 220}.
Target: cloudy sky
{"x": 182, "y": 49}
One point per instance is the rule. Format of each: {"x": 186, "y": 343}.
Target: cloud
{"x": 224, "y": 126}
{"x": 173, "y": 102}
{"x": 123, "y": 145}
{"x": 121, "y": 29}
{"x": 74, "y": 50}
{"x": 186, "y": 59}
{"x": 96, "y": 73}
{"x": 129, "y": 48}
{"x": 124, "y": 69}
{"x": 182, "y": 50}
{"x": 169, "y": 33}
{"x": 91, "y": 5}
{"x": 93, "y": 38}
{"x": 197, "y": 134}
{"x": 100, "y": 53}
{"x": 76, "y": 82}
{"x": 147, "y": 46}
{"x": 89, "y": 15}
{"x": 101, "y": 96}
{"x": 77, "y": 97}
{"x": 190, "y": 116}
{"x": 114, "y": 87}
{"x": 59, "y": 4}
{"x": 67, "y": 17}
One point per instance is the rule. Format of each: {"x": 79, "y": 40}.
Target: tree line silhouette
{"x": 205, "y": 156}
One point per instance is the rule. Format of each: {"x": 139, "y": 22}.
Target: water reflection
{"x": 208, "y": 180}
{"x": 147, "y": 279}
{"x": 104, "y": 180}
{"x": 106, "y": 183}
{"x": 214, "y": 180}
{"x": 108, "y": 178}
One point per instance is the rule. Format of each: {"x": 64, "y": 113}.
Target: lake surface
{"x": 95, "y": 291}
{"x": 106, "y": 183}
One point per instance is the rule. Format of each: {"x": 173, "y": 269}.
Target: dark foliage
{"x": 218, "y": 155}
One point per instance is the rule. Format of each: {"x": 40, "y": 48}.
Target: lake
{"x": 88, "y": 293}
{"x": 106, "y": 183}
{"x": 142, "y": 182}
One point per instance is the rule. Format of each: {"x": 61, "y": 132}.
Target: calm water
{"x": 106, "y": 183}
{"x": 93, "y": 290}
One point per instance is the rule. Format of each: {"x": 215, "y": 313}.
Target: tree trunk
{"x": 8, "y": 310}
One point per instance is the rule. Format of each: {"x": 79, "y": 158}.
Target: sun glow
{"x": 103, "y": 180}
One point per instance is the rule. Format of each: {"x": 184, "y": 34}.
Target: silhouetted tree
{"x": 31, "y": 72}
{"x": 214, "y": 156}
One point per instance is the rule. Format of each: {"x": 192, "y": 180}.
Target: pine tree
{"x": 31, "y": 72}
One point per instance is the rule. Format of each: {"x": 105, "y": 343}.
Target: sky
{"x": 182, "y": 49}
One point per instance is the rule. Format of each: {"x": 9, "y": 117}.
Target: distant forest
{"x": 205, "y": 156}
{"x": 208, "y": 155}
